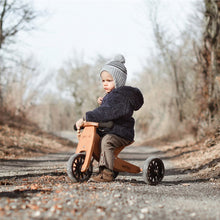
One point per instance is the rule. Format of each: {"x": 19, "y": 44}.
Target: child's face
{"x": 107, "y": 81}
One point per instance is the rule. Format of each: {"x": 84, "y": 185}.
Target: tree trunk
{"x": 210, "y": 63}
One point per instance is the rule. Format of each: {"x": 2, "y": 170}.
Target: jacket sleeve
{"x": 117, "y": 106}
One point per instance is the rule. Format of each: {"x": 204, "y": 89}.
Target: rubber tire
{"x": 77, "y": 160}
{"x": 153, "y": 170}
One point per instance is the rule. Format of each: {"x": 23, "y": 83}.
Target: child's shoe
{"x": 105, "y": 176}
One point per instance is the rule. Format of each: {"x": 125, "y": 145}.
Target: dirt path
{"x": 38, "y": 188}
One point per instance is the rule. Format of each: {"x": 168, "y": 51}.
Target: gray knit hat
{"x": 117, "y": 69}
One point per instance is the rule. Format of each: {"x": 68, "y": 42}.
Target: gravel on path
{"x": 39, "y": 188}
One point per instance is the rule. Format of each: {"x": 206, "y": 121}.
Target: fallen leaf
{"x": 33, "y": 207}
{"x": 185, "y": 184}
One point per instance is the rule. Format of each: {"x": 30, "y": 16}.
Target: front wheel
{"x": 74, "y": 166}
{"x": 153, "y": 171}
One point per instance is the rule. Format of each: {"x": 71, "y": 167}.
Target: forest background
{"x": 180, "y": 80}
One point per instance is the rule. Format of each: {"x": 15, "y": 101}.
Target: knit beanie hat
{"x": 117, "y": 69}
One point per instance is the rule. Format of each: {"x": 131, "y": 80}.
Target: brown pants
{"x": 108, "y": 144}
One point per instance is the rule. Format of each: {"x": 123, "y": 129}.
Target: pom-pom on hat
{"x": 117, "y": 69}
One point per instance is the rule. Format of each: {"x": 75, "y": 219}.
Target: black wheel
{"x": 74, "y": 166}
{"x": 153, "y": 171}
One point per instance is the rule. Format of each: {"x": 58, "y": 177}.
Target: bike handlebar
{"x": 107, "y": 124}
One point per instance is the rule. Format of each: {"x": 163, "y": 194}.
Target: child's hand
{"x": 100, "y": 100}
{"x": 79, "y": 123}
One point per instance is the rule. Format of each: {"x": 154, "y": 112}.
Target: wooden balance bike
{"x": 80, "y": 164}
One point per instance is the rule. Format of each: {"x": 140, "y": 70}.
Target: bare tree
{"x": 22, "y": 86}
{"x": 81, "y": 81}
{"x": 174, "y": 55}
{"x": 209, "y": 59}
{"x": 53, "y": 113}
{"x": 170, "y": 77}
{"x": 15, "y": 16}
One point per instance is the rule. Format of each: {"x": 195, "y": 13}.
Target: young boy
{"x": 118, "y": 106}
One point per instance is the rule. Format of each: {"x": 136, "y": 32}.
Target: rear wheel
{"x": 74, "y": 166}
{"x": 153, "y": 171}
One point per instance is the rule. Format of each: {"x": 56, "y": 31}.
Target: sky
{"x": 90, "y": 28}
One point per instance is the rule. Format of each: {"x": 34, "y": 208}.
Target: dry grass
{"x": 202, "y": 158}
{"x": 21, "y": 138}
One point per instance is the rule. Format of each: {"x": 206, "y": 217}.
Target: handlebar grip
{"x": 108, "y": 124}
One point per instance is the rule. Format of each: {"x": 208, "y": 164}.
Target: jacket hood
{"x": 134, "y": 95}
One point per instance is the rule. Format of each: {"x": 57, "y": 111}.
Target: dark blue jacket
{"x": 118, "y": 106}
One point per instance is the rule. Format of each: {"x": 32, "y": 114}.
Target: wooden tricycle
{"x": 80, "y": 164}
